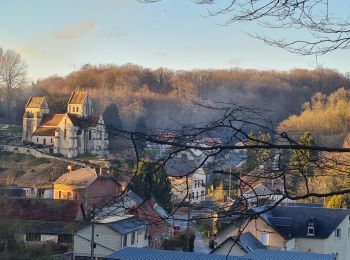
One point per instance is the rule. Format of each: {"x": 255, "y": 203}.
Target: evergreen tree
{"x": 151, "y": 182}
{"x": 112, "y": 118}
{"x": 301, "y": 163}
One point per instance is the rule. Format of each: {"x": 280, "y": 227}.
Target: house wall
{"x": 226, "y": 247}
{"x": 180, "y": 188}
{"x": 101, "y": 191}
{"x": 256, "y": 227}
{"x": 331, "y": 245}
{"x": 107, "y": 241}
{"x": 40, "y": 140}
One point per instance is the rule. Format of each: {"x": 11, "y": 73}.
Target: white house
{"x": 187, "y": 179}
{"x": 301, "y": 228}
{"x": 110, "y": 235}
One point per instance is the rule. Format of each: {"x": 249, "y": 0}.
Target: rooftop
{"x": 77, "y": 97}
{"x": 51, "y": 120}
{"x": 35, "y": 102}
{"x": 41, "y": 209}
{"x": 266, "y": 254}
{"x": 291, "y": 221}
{"x": 45, "y": 131}
{"x": 80, "y": 178}
{"x": 133, "y": 253}
{"x": 127, "y": 225}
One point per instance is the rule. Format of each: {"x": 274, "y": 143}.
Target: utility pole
{"x": 188, "y": 219}
{"x": 93, "y": 233}
{"x": 229, "y": 181}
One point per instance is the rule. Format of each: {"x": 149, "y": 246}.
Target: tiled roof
{"x": 34, "y": 102}
{"x": 41, "y": 209}
{"x": 40, "y": 226}
{"x": 127, "y": 225}
{"x": 45, "y": 131}
{"x": 77, "y": 97}
{"x": 90, "y": 121}
{"x": 133, "y": 253}
{"x": 291, "y": 221}
{"x": 51, "y": 120}
{"x": 80, "y": 178}
{"x": 266, "y": 254}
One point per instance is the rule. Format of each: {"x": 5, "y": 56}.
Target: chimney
{"x": 70, "y": 167}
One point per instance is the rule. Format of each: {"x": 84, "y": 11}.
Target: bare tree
{"x": 13, "y": 74}
{"x": 316, "y": 27}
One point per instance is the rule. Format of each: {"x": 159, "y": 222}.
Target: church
{"x": 78, "y": 131}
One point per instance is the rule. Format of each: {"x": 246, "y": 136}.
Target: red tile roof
{"x": 34, "y": 102}
{"x": 77, "y": 97}
{"x": 45, "y": 131}
{"x": 51, "y": 120}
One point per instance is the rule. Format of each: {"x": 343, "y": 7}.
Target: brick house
{"x": 87, "y": 186}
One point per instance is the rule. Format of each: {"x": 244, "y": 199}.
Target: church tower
{"x": 35, "y": 109}
{"x": 80, "y": 104}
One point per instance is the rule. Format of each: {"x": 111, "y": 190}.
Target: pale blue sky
{"x": 57, "y": 37}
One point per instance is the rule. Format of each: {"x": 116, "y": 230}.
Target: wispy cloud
{"x": 75, "y": 30}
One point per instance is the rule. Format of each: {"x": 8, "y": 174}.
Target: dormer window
{"x": 311, "y": 231}
{"x": 311, "y": 227}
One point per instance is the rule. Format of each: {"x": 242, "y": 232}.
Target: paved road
{"x": 200, "y": 245}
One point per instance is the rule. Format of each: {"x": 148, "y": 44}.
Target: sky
{"x": 58, "y": 37}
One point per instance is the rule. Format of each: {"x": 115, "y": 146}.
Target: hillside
{"x": 28, "y": 171}
{"x": 162, "y": 97}
{"x": 327, "y": 117}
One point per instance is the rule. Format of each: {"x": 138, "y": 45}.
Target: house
{"x": 301, "y": 228}
{"x": 40, "y": 220}
{"x": 87, "y": 186}
{"x": 159, "y": 222}
{"x": 151, "y": 254}
{"x": 188, "y": 180}
{"x": 238, "y": 246}
{"x": 260, "y": 188}
{"x": 75, "y": 132}
{"x": 111, "y": 234}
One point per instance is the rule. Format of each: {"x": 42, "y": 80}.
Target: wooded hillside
{"x": 163, "y": 97}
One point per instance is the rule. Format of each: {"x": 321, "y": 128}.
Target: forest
{"x": 162, "y": 98}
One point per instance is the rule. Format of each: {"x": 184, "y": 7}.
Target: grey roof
{"x": 265, "y": 254}
{"x": 246, "y": 242}
{"x": 132, "y": 253}
{"x": 180, "y": 166}
{"x": 163, "y": 214}
{"x": 80, "y": 178}
{"x": 134, "y": 197}
{"x": 127, "y": 225}
{"x": 291, "y": 221}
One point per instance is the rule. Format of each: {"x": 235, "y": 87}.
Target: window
{"x": 197, "y": 195}
{"x": 65, "y": 134}
{"x": 44, "y": 141}
{"x": 77, "y": 110}
{"x": 65, "y": 239}
{"x": 125, "y": 240}
{"x": 51, "y": 140}
{"x": 265, "y": 238}
{"x": 59, "y": 194}
{"x": 133, "y": 238}
{"x": 202, "y": 183}
{"x": 37, "y": 139}
{"x": 145, "y": 237}
{"x": 310, "y": 231}
{"x": 89, "y": 134}
{"x": 338, "y": 233}
{"x": 33, "y": 237}
{"x": 73, "y": 109}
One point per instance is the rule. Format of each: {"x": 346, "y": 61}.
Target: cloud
{"x": 75, "y": 30}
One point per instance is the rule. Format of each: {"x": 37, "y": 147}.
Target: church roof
{"x": 45, "y": 131}
{"x": 51, "y": 120}
{"x": 35, "y": 102}
{"x": 90, "y": 121}
{"x": 80, "y": 178}
{"x": 77, "y": 97}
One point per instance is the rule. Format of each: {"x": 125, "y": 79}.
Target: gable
{"x": 77, "y": 98}
{"x": 36, "y": 102}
